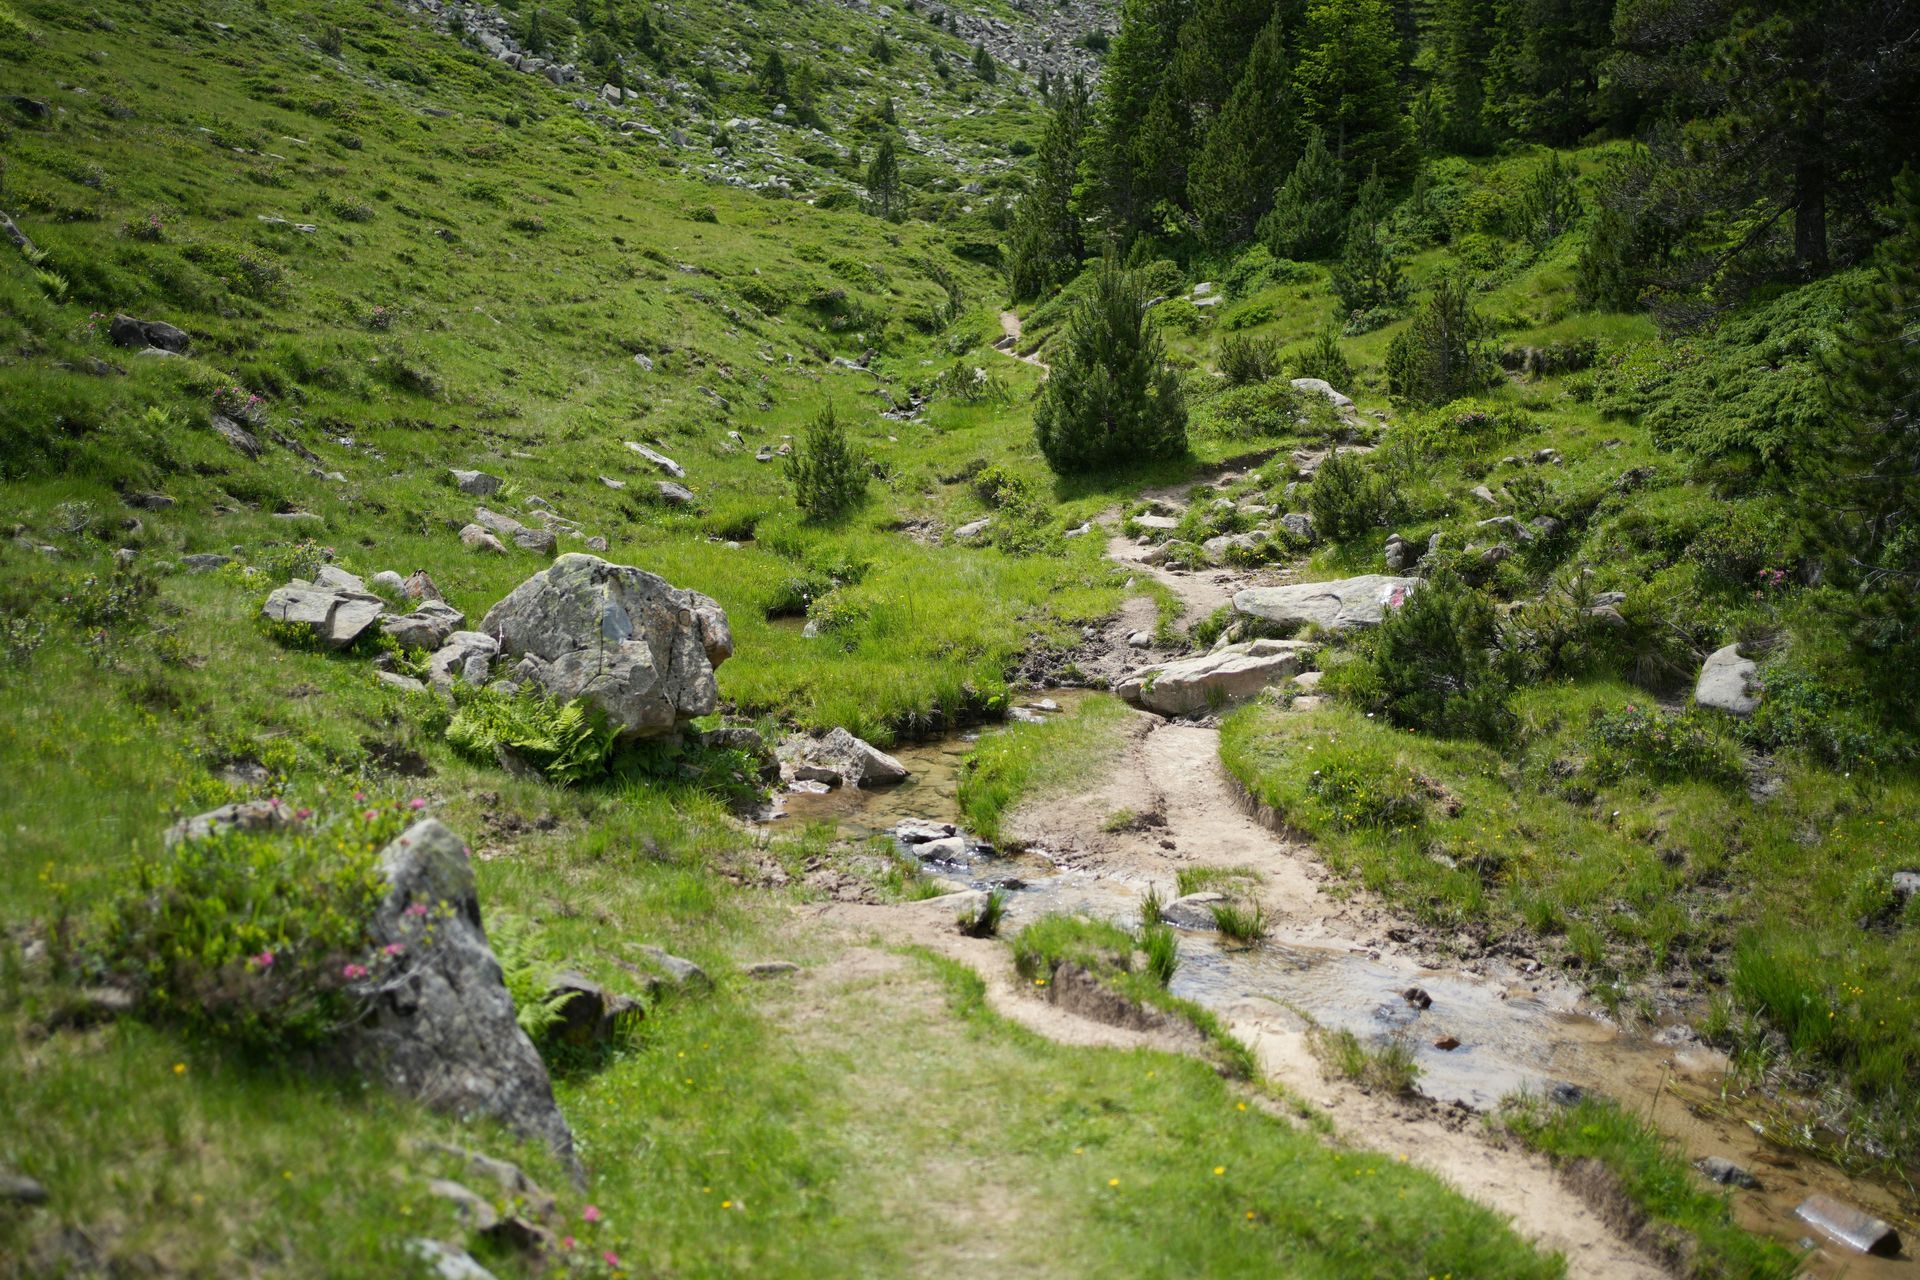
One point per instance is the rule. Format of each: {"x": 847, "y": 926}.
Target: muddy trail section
{"x": 1335, "y": 960}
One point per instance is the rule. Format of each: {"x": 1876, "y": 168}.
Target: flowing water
{"x": 1515, "y": 1032}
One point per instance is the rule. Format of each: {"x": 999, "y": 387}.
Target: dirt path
{"x": 1187, "y": 814}
{"x": 1009, "y": 344}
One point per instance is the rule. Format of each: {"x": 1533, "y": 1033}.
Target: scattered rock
{"x": 681, "y": 972}
{"x": 1140, "y": 640}
{"x": 921, "y": 831}
{"x": 591, "y": 1014}
{"x": 477, "y": 539}
{"x": 1485, "y": 495}
{"x": 474, "y": 1212}
{"x": 1188, "y": 685}
{"x": 238, "y": 436}
{"x": 1308, "y": 681}
{"x": 1333, "y": 606}
{"x": 394, "y": 680}
{"x": 1446, "y": 1044}
{"x": 148, "y": 501}
{"x": 1565, "y": 1094}
{"x": 479, "y": 484}
{"x": 419, "y": 586}
{"x": 1299, "y": 524}
{"x": 1401, "y": 554}
{"x": 1727, "y": 682}
{"x": 427, "y": 627}
{"x": 447, "y": 1262}
{"x": 1157, "y": 524}
{"x": 973, "y": 529}
{"x": 839, "y": 757}
{"x": 673, "y": 495}
{"x": 247, "y": 815}
{"x": 337, "y": 616}
{"x": 1195, "y": 911}
{"x": 1417, "y": 997}
{"x": 466, "y": 656}
{"x": 390, "y": 583}
{"x": 148, "y": 334}
{"x": 441, "y": 1027}
{"x": 1850, "y": 1226}
{"x": 1321, "y": 387}
{"x": 205, "y": 562}
{"x": 537, "y": 540}
{"x": 637, "y": 647}
{"x": 18, "y": 1188}
{"x": 1218, "y": 547}
{"x": 1725, "y": 1172}
{"x": 772, "y": 969}
{"x": 611, "y": 483}
{"x": 659, "y": 460}
{"x": 334, "y": 578}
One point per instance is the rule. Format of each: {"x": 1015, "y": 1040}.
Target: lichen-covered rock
{"x": 466, "y": 655}
{"x": 838, "y": 758}
{"x": 337, "y": 616}
{"x": 1188, "y": 685}
{"x": 628, "y": 641}
{"x": 427, "y": 627}
{"x": 1333, "y": 606}
{"x": 440, "y": 1024}
{"x": 247, "y": 815}
{"x": 479, "y": 484}
{"x": 540, "y": 540}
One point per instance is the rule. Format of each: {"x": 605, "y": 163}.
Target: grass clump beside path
{"x": 1575, "y": 843}
{"x": 1643, "y": 1167}
{"x": 1029, "y": 761}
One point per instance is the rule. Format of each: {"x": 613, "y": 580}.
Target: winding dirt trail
{"x": 1009, "y": 344}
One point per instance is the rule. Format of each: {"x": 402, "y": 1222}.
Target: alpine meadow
{"x": 1041, "y": 638}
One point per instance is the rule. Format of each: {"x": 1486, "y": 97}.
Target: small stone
{"x": 1447, "y": 1044}
{"x": 447, "y": 1262}
{"x": 474, "y": 1212}
{"x": 477, "y": 483}
{"x": 18, "y": 1188}
{"x": 474, "y": 538}
{"x": 405, "y": 684}
{"x": 1140, "y": 640}
{"x": 772, "y": 969}
{"x": 1726, "y": 683}
{"x": 682, "y": 972}
{"x": 1195, "y": 911}
{"x": 674, "y": 495}
{"x": 419, "y": 586}
{"x": 205, "y": 562}
{"x": 1417, "y": 997}
{"x": 659, "y": 460}
{"x": 389, "y": 582}
{"x": 1725, "y": 1172}
{"x": 611, "y": 483}
{"x": 973, "y": 529}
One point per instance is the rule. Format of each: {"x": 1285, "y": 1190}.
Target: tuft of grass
{"x": 984, "y": 920}
{"x": 1242, "y": 922}
{"x": 1162, "y": 946}
{"x": 1655, "y": 1178}
{"x": 1389, "y": 1067}
{"x": 1211, "y": 879}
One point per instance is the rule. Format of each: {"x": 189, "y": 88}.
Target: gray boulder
{"x": 466, "y": 655}
{"x": 1188, "y": 685}
{"x": 637, "y": 647}
{"x": 243, "y": 440}
{"x": 838, "y": 758}
{"x": 1195, "y": 911}
{"x": 475, "y": 538}
{"x": 1300, "y": 525}
{"x": 478, "y": 483}
{"x": 973, "y": 529}
{"x": 540, "y": 540}
{"x": 427, "y": 627}
{"x": 335, "y": 578}
{"x": 439, "y": 1024}
{"x": 1218, "y": 547}
{"x": 1333, "y": 606}
{"x": 205, "y": 562}
{"x": 659, "y": 460}
{"x": 143, "y": 334}
{"x": 337, "y": 616}
{"x": 247, "y": 815}
{"x": 1321, "y": 387}
{"x": 1727, "y": 682}
{"x": 674, "y": 495}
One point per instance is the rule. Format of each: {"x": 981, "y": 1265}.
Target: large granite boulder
{"x": 1726, "y": 682}
{"x": 337, "y": 615}
{"x": 427, "y": 627}
{"x": 628, "y": 641}
{"x": 1188, "y": 685}
{"x": 1332, "y": 606}
{"x": 439, "y": 1025}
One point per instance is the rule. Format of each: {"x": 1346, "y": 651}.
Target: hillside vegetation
{"x": 713, "y": 289}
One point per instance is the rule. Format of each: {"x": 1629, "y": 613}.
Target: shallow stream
{"x": 1515, "y": 1032}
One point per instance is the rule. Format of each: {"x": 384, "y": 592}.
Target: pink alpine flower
{"x": 353, "y": 972}
{"x": 393, "y": 948}
{"x": 591, "y": 1213}
{"x": 264, "y": 960}
{"x": 611, "y": 1258}
{"x": 416, "y": 804}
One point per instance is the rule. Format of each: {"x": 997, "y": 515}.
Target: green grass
{"x": 1655, "y": 1179}
{"x": 1242, "y": 922}
{"x": 1213, "y": 879}
{"x": 1624, "y": 880}
{"x": 1030, "y": 761}
{"x": 1389, "y": 1067}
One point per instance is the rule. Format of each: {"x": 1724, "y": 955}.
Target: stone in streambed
{"x": 1188, "y": 685}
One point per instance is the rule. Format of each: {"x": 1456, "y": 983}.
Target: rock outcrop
{"x": 1332, "y": 606}
{"x": 148, "y": 335}
{"x": 440, "y": 1025}
{"x": 628, "y": 641}
{"x": 1188, "y": 685}
{"x": 427, "y": 627}
{"x": 337, "y": 615}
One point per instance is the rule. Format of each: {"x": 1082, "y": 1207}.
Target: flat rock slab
{"x": 1195, "y": 911}
{"x": 1850, "y": 1226}
{"x": 659, "y": 460}
{"x": 1726, "y": 682}
{"x": 837, "y": 758}
{"x": 1340, "y": 605}
{"x": 337, "y": 616}
{"x": 1188, "y": 685}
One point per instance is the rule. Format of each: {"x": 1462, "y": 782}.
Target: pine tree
{"x": 535, "y": 38}
{"x": 983, "y": 64}
{"x": 1867, "y": 496}
{"x": 772, "y": 80}
{"x": 646, "y": 41}
{"x": 1549, "y": 202}
{"x": 881, "y": 50}
{"x": 1441, "y": 355}
{"x": 1347, "y": 80}
{"x": 828, "y": 475}
{"x": 1465, "y": 39}
{"x": 884, "y": 196}
{"x": 1212, "y": 51}
{"x": 1308, "y": 210}
{"x": 1134, "y": 74}
{"x": 1111, "y": 398}
{"x": 1248, "y": 147}
{"x": 803, "y": 88}
{"x": 1543, "y": 70}
{"x": 1045, "y": 244}
{"x": 1368, "y": 276}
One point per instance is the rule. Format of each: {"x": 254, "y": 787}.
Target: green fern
{"x": 568, "y": 742}
{"x": 528, "y": 978}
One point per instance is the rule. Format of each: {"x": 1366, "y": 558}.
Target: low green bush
{"x": 255, "y": 938}
{"x": 1639, "y": 740}
{"x": 1350, "y": 498}
{"x": 1438, "y": 664}
{"x": 828, "y": 475}
{"x": 1242, "y": 360}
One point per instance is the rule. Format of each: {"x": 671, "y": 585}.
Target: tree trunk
{"x": 1810, "y": 215}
